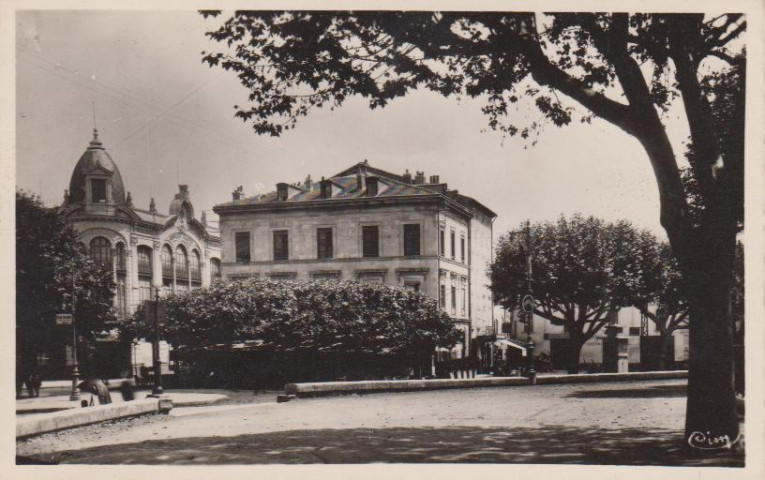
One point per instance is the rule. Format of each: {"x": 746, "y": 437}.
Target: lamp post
{"x": 75, "y": 396}
{"x": 531, "y": 372}
{"x": 157, "y": 390}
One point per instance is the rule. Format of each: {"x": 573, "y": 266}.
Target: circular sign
{"x": 528, "y": 304}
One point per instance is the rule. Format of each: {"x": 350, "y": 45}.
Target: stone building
{"x": 144, "y": 248}
{"x": 370, "y": 225}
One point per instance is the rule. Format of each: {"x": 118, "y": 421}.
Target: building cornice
{"x": 336, "y": 203}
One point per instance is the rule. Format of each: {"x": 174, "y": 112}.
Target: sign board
{"x": 63, "y": 319}
{"x": 528, "y": 304}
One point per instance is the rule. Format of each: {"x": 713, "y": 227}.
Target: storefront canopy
{"x": 503, "y": 344}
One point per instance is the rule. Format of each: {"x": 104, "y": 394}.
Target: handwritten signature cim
{"x": 707, "y": 441}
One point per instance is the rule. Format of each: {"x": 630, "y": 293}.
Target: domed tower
{"x": 96, "y": 181}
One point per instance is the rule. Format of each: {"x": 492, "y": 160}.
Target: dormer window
{"x": 98, "y": 190}
{"x": 326, "y": 188}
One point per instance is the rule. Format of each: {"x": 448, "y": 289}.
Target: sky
{"x": 167, "y": 119}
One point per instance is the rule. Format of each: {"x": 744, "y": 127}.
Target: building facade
{"x": 144, "y": 248}
{"x": 366, "y": 224}
{"x": 552, "y": 340}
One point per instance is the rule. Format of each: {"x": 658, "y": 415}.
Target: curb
{"x": 318, "y": 389}
{"x": 49, "y": 422}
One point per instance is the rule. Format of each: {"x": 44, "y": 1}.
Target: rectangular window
{"x": 442, "y": 296}
{"x": 370, "y": 241}
{"x": 281, "y": 245}
{"x": 464, "y": 301}
{"x": 453, "y": 244}
{"x": 324, "y": 242}
{"x": 242, "y": 241}
{"x": 454, "y": 299}
{"x": 462, "y": 249}
{"x": 441, "y": 241}
{"x": 634, "y": 331}
{"x": 413, "y": 286}
{"x": 411, "y": 240}
{"x": 98, "y": 190}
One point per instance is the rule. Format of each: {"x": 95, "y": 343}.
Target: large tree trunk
{"x": 666, "y": 351}
{"x": 711, "y": 420}
{"x": 574, "y": 350}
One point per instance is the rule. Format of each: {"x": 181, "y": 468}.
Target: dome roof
{"x": 95, "y": 160}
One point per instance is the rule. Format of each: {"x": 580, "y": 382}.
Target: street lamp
{"x": 157, "y": 390}
{"x": 75, "y": 396}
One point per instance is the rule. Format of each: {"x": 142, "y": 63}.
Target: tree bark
{"x": 666, "y": 353}
{"x": 711, "y": 420}
{"x": 575, "y": 348}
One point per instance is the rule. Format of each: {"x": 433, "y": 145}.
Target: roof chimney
{"x": 361, "y": 176}
{"x": 407, "y": 176}
{"x": 238, "y": 193}
{"x": 419, "y": 178}
{"x": 308, "y": 183}
{"x": 434, "y": 179}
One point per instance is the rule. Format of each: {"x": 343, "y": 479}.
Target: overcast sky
{"x": 166, "y": 119}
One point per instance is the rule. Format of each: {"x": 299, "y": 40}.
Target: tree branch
{"x": 547, "y": 74}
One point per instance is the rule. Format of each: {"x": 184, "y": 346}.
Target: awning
{"x": 505, "y": 343}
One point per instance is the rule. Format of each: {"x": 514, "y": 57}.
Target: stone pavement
{"x": 634, "y": 423}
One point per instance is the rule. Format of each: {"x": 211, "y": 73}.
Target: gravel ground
{"x": 608, "y": 423}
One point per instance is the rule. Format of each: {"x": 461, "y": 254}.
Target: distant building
{"x": 369, "y": 225}
{"x": 144, "y": 247}
{"x": 552, "y": 340}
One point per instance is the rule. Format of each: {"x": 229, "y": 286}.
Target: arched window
{"x": 121, "y": 256}
{"x": 215, "y": 269}
{"x": 196, "y": 267}
{"x": 181, "y": 263}
{"x": 101, "y": 251}
{"x": 167, "y": 262}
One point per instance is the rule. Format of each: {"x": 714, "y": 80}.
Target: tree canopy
{"x": 50, "y": 268}
{"x": 582, "y": 270}
{"x": 289, "y": 316}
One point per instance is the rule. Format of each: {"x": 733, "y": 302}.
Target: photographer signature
{"x": 707, "y": 441}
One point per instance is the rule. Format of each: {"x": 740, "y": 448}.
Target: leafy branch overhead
{"x": 624, "y": 69}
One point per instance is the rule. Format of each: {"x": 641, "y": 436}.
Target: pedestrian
{"x": 99, "y": 388}
{"x": 33, "y": 384}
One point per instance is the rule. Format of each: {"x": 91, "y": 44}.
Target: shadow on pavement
{"x": 644, "y": 392}
{"x": 545, "y": 445}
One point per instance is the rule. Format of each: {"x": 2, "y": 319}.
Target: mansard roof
{"x": 390, "y": 186}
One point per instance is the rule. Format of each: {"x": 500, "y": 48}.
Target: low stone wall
{"x": 611, "y": 377}
{"x": 316, "y": 389}
{"x": 49, "y": 422}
